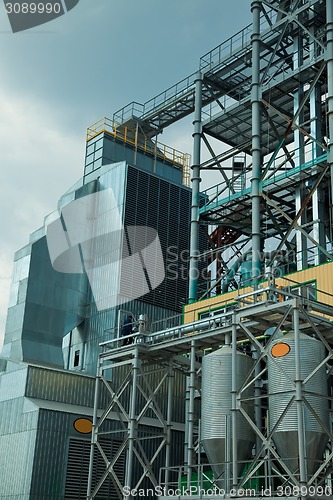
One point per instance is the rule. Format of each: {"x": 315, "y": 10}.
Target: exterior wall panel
{"x": 322, "y": 275}
{"x": 59, "y": 386}
{"x": 18, "y": 430}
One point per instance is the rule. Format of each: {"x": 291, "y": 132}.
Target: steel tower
{"x": 267, "y": 93}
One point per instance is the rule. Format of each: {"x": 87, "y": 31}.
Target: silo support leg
{"x": 299, "y": 400}
{"x": 234, "y": 406}
{"x": 190, "y": 446}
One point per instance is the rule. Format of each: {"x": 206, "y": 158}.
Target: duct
{"x": 233, "y": 270}
{"x": 194, "y": 243}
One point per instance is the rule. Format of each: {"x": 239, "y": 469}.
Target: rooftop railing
{"x": 141, "y": 142}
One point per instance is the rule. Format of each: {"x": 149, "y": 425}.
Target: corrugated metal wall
{"x": 60, "y": 386}
{"x": 18, "y": 431}
{"x": 77, "y": 389}
{"x": 78, "y": 469}
{"x": 61, "y": 458}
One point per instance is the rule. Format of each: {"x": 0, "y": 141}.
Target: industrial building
{"x": 233, "y": 398}
{"x": 63, "y": 306}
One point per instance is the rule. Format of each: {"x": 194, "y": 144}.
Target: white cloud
{"x": 39, "y": 162}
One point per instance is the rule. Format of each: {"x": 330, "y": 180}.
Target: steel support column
{"x": 93, "y": 431}
{"x": 299, "y": 400}
{"x": 170, "y": 382}
{"x": 132, "y": 421}
{"x": 256, "y": 144}
{"x": 234, "y": 404}
{"x": 301, "y": 243}
{"x": 191, "y": 387}
{"x": 329, "y": 60}
{"x": 194, "y": 242}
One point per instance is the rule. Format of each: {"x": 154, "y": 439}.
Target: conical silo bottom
{"x": 215, "y": 450}
{"x": 287, "y": 447}
{"x": 216, "y": 410}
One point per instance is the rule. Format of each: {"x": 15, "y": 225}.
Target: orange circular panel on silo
{"x": 83, "y": 425}
{"x": 279, "y": 350}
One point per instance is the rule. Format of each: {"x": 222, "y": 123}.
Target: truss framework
{"x": 267, "y": 92}
{"x": 180, "y": 349}
{"x": 276, "y": 106}
{"x": 131, "y": 398}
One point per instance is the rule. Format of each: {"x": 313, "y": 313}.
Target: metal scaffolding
{"x": 139, "y": 397}
{"x": 180, "y": 349}
{"x": 273, "y": 103}
{"x": 267, "y": 92}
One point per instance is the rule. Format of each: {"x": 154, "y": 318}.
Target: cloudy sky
{"x": 63, "y": 76}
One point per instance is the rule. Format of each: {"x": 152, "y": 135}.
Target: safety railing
{"x": 169, "y": 96}
{"x": 279, "y": 171}
{"x": 133, "y": 109}
{"x": 226, "y": 48}
{"x": 137, "y": 140}
{"x": 221, "y": 314}
{"x": 273, "y": 286}
{"x": 263, "y": 478}
{"x": 235, "y": 43}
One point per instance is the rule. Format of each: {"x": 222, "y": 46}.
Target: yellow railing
{"x": 138, "y": 140}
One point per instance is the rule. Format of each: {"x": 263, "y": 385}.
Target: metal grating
{"x": 78, "y": 469}
{"x": 165, "y": 207}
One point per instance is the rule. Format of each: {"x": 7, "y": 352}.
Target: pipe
{"x": 256, "y": 144}
{"x": 318, "y": 207}
{"x": 316, "y": 120}
{"x": 213, "y": 322}
{"x": 194, "y": 239}
{"x": 136, "y": 142}
{"x": 227, "y": 453}
{"x": 257, "y": 396}
{"x": 233, "y": 270}
{"x": 187, "y": 406}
